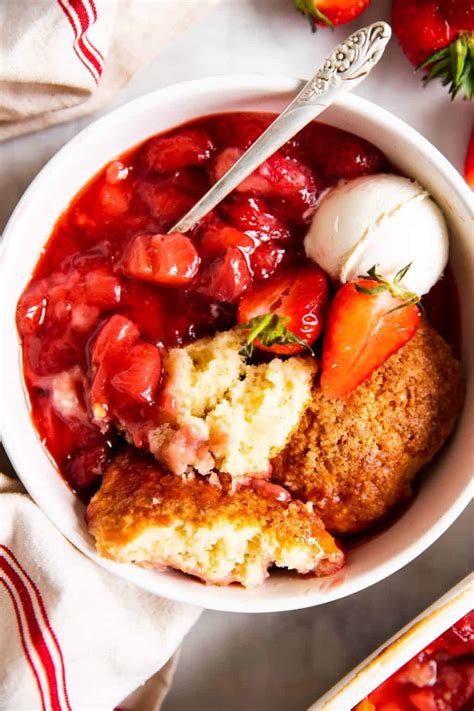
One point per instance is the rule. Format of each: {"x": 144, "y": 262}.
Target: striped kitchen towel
{"x": 73, "y": 636}
{"x": 62, "y": 59}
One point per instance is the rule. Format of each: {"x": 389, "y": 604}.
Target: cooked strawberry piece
{"x": 253, "y": 216}
{"x": 288, "y": 176}
{"x": 453, "y": 690}
{"x": 362, "y": 331}
{"x": 168, "y": 259}
{"x": 278, "y": 175}
{"x": 165, "y": 202}
{"x": 294, "y": 304}
{"x": 226, "y": 159}
{"x": 192, "y": 181}
{"x": 189, "y": 147}
{"x": 116, "y": 336}
{"x": 84, "y": 466}
{"x": 114, "y": 340}
{"x": 239, "y": 129}
{"x": 420, "y": 673}
{"x": 265, "y": 260}
{"x": 114, "y": 200}
{"x": 225, "y": 278}
{"x": 140, "y": 374}
{"x": 218, "y": 237}
{"x": 336, "y": 154}
{"x": 123, "y": 366}
{"x": 60, "y": 439}
{"x": 32, "y": 308}
{"x": 116, "y": 172}
{"x": 101, "y": 288}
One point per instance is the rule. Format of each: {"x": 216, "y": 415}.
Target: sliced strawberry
{"x": 139, "y": 374}
{"x": 253, "y": 216}
{"x": 165, "y": 203}
{"x": 286, "y": 314}
{"x": 336, "y": 154}
{"x": 218, "y": 237}
{"x": 363, "y": 329}
{"x": 168, "y": 259}
{"x": 188, "y": 147}
{"x": 225, "y": 278}
{"x": 265, "y": 260}
{"x": 469, "y": 162}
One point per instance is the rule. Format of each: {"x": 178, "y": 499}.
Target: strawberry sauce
{"x": 439, "y": 678}
{"x": 108, "y": 256}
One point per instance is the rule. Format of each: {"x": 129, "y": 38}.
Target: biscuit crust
{"x": 202, "y": 527}
{"x": 355, "y": 457}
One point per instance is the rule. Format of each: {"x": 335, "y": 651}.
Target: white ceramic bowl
{"x": 444, "y": 493}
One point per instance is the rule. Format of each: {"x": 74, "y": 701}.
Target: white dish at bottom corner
{"x": 443, "y": 494}
{"x": 399, "y": 649}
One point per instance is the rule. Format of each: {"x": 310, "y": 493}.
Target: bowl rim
{"x": 211, "y": 597}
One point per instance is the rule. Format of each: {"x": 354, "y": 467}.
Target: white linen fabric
{"x": 62, "y": 59}
{"x": 72, "y": 635}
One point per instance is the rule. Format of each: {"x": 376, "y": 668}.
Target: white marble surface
{"x": 283, "y": 662}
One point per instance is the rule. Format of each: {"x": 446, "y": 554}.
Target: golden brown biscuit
{"x": 355, "y": 457}
{"x": 142, "y": 515}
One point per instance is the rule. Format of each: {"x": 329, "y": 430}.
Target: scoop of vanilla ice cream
{"x": 381, "y": 219}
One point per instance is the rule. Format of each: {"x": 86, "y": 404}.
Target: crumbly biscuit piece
{"x": 355, "y": 457}
{"x": 141, "y": 515}
{"x": 224, "y": 413}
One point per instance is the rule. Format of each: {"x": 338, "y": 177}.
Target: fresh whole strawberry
{"x": 368, "y": 320}
{"x": 438, "y": 35}
{"x": 469, "y": 162}
{"x": 459, "y": 14}
{"x": 331, "y": 12}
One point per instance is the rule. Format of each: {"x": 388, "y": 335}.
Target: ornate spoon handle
{"x": 347, "y": 65}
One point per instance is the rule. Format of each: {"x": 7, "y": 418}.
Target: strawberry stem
{"x": 309, "y": 10}
{"x": 382, "y": 284}
{"x": 454, "y": 65}
{"x": 270, "y": 329}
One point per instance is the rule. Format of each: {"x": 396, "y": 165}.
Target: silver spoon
{"x": 347, "y": 65}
